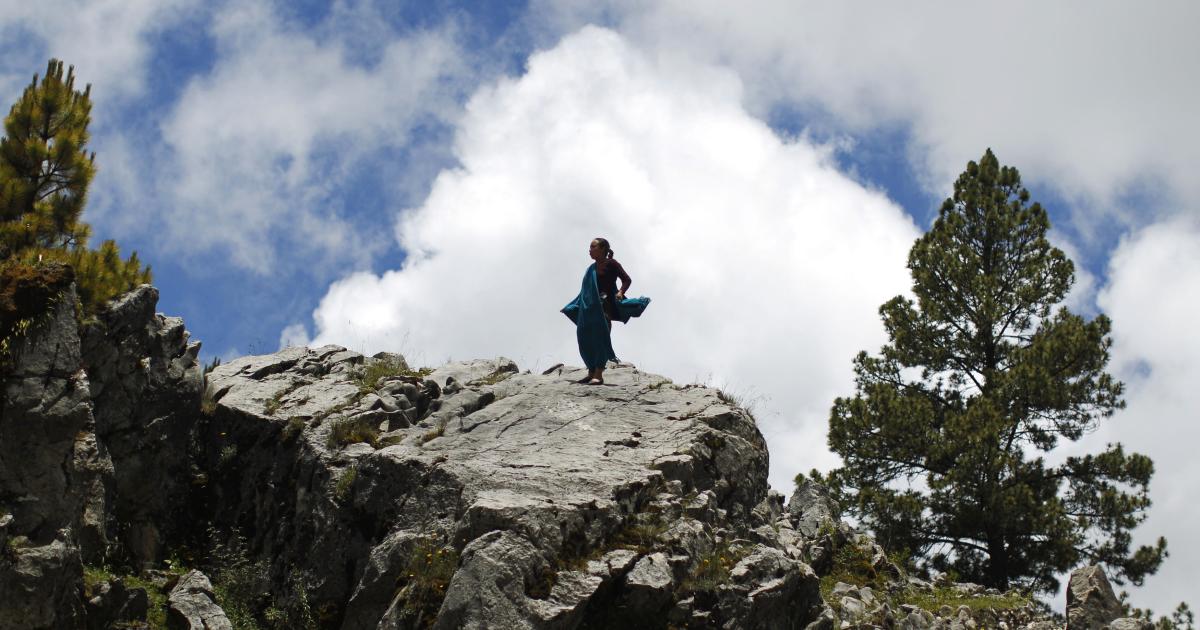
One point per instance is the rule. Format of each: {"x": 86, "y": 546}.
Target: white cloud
{"x": 293, "y": 335}
{"x": 765, "y": 265}
{"x": 1092, "y": 98}
{"x": 1152, "y": 297}
{"x": 103, "y": 39}
{"x": 256, "y": 146}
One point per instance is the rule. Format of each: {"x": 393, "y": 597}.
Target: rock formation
{"x": 636, "y": 502}
{"x": 322, "y": 488}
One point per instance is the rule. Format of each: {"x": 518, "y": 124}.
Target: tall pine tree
{"x": 45, "y": 170}
{"x": 941, "y": 442}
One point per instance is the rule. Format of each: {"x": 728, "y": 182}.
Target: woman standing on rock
{"x": 598, "y": 303}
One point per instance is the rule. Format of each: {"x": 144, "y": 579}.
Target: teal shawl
{"x": 591, "y": 328}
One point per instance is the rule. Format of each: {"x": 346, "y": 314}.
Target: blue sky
{"x": 424, "y": 177}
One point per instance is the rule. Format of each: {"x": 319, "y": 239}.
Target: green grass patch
{"x": 713, "y": 569}
{"x": 852, "y": 565}
{"x": 292, "y": 430}
{"x": 367, "y": 376}
{"x": 351, "y": 431}
{"x": 156, "y": 611}
{"x": 946, "y": 596}
{"x": 641, "y": 534}
{"x": 435, "y": 432}
{"x": 423, "y": 584}
{"x": 345, "y": 482}
{"x": 493, "y": 378}
{"x": 272, "y": 405}
{"x": 227, "y": 455}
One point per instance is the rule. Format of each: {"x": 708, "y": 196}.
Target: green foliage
{"x": 853, "y": 563}
{"x": 292, "y": 430}
{"x": 940, "y": 441}
{"x": 102, "y": 275}
{"x": 227, "y": 454}
{"x": 491, "y": 379}
{"x": 243, "y": 590}
{"x": 367, "y": 376}
{"x": 344, "y": 484}
{"x": 208, "y": 406}
{"x": 45, "y": 170}
{"x": 422, "y": 585}
{"x": 641, "y": 532}
{"x": 156, "y": 610}
{"x": 1182, "y": 618}
{"x": 27, "y": 294}
{"x": 350, "y": 431}
{"x": 434, "y": 433}
{"x": 946, "y": 596}
{"x": 272, "y": 405}
{"x": 712, "y": 569}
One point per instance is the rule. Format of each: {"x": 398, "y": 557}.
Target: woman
{"x": 598, "y": 303}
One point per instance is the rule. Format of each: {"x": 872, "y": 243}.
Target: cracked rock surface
{"x": 477, "y": 496}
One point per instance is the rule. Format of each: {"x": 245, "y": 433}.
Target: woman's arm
{"x": 625, "y": 280}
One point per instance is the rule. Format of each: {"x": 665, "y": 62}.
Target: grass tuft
{"x": 713, "y": 569}
{"x": 351, "y": 431}
{"x": 368, "y": 375}
{"x": 345, "y": 482}
{"x": 422, "y": 586}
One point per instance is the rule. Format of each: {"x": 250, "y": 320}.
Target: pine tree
{"x": 941, "y": 441}
{"x": 45, "y": 170}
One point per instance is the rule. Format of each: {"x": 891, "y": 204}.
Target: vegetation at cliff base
{"x": 984, "y": 371}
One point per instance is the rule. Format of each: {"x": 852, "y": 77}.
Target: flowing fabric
{"x": 591, "y": 327}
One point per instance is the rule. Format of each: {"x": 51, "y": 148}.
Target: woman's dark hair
{"x": 604, "y": 243}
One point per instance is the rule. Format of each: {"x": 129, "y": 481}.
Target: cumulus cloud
{"x": 293, "y": 335}
{"x": 1152, "y": 297}
{"x": 766, "y": 266}
{"x": 259, "y": 151}
{"x": 1093, "y": 99}
{"x": 104, "y": 39}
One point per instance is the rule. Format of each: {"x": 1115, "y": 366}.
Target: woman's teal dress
{"x": 591, "y": 327}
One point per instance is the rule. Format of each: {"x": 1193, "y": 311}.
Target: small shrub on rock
{"x": 367, "y": 376}
{"x": 292, "y": 430}
{"x": 350, "y": 431}
{"x": 423, "y": 584}
{"x": 712, "y": 569}
{"x": 345, "y": 482}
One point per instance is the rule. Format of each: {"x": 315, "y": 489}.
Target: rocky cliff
{"x": 322, "y": 488}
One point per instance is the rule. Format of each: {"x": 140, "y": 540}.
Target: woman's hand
{"x": 620, "y": 295}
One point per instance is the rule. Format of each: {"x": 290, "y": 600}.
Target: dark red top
{"x": 607, "y": 272}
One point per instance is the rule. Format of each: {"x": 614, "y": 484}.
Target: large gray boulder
{"x": 561, "y": 505}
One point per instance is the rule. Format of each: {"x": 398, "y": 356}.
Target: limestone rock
{"x": 191, "y": 605}
{"x": 563, "y": 504}
{"x": 1130, "y": 623}
{"x": 50, "y": 490}
{"x": 145, "y": 385}
{"x": 811, "y": 508}
{"x": 111, "y": 602}
{"x": 39, "y": 586}
{"x": 1091, "y": 603}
